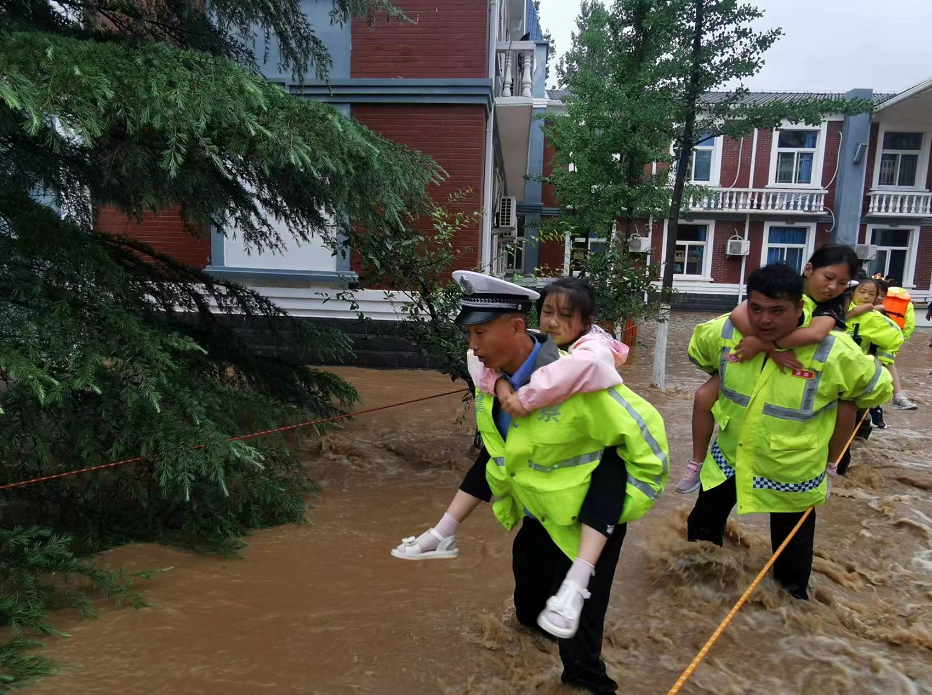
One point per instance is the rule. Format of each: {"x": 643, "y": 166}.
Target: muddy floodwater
{"x": 323, "y": 608}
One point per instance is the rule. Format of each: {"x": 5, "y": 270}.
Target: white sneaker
{"x": 901, "y": 402}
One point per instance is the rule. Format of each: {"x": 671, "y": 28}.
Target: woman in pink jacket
{"x": 566, "y": 308}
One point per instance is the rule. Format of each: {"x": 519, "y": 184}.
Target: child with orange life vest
{"x": 907, "y": 314}
{"x": 899, "y": 307}
{"x": 827, "y": 275}
{"x": 876, "y": 333}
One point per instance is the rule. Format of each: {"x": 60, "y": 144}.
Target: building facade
{"x": 465, "y": 83}
{"x": 461, "y": 82}
{"x": 781, "y": 193}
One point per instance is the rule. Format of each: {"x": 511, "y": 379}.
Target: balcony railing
{"x": 900, "y": 204}
{"x": 759, "y": 200}
{"x": 515, "y": 69}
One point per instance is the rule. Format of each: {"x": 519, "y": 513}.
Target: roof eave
{"x": 903, "y": 96}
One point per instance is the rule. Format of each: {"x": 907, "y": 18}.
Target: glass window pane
{"x": 787, "y": 235}
{"x": 909, "y": 163}
{"x": 785, "y": 164}
{"x": 706, "y": 141}
{"x": 804, "y": 168}
{"x": 694, "y": 256}
{"x": 879, "y": 264}
{"x": 794, "y": 259}
{"x": 897, "y": 265}
{"x": 798, "y": 139}
{"x": 891, "y": 237}
{"x": 887, "y": 176}
{"x": 702, "y": 165}
{"x": 775, "y": 254}
{"x": 690, "y": 232}
{"x": 902, "y": 141}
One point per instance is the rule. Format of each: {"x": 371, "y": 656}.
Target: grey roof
{"x": 764, "y": 98}
{"x": 757, "y": 98}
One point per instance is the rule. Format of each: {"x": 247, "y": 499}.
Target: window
{"x": 796, "y": 154}
{"x": 691, "y": 240}
{"x": 701, "y": 169}
{"x": 582, "y": 248}
{"x": 514, "y": 255}
{"x": 892, "y": 253}
{"x": 899, "y": 162}
{"x": 787, "y": 245}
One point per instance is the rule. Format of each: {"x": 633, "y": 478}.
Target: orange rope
{"x": 253, "y": 435}
{"x": 681, "y": 681}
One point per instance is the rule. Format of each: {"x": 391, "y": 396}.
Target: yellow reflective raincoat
{"x": 775, "y": 426}
{"x": 876, "y": 335}
{"x": 544, "y": 466}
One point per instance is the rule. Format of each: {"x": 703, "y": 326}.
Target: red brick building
{"x": 783, "y": 193}
{"x": 459, "y": 83}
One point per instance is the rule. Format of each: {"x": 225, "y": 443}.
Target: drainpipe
{"x": 747, "y": 218}
{"x": 744, "y": 259}
{"x": 753, "y": 160}
{"x": 488, "y": 209}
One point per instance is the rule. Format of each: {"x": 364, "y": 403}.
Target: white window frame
{"x": 517, "y": 250}
{"x": 922, "y": 167}
{"x": 910, "y": 274}
{"x": 715, "y": 175}
{"x": 817, "y": 159}
{"x": 707, "y": 256}
{"x": 809, "y": 246}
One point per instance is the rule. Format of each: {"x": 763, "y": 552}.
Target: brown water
{"x": 324, "y": 609}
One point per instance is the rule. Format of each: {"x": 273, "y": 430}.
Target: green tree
{"x": 616, "y": 124}
{"x": 110, "y": 350}
{"x": 712, "y": 44}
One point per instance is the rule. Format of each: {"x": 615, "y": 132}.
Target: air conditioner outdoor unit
{"x": 507, "y": 215}
{"x": 866, "y": 252}
{"x": 639, "y": 244}
{"x": 738, "y": 247}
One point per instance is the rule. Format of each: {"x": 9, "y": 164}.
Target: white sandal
{"x": 410, "y": 550}
{"x": 567, "y": 604}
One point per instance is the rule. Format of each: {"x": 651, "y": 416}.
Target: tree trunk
{"x": 685, "y": 149}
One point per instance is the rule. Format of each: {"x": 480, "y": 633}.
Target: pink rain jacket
{"x": 591, "y": 366}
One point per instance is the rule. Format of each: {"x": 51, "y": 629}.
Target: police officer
{"x": 539, "y": 468}
{"x": 772, "y": 452}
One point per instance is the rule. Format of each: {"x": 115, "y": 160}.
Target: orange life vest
{"x": 896, "y": 304}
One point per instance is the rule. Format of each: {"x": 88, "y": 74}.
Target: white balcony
{"x": 514, "y": 74}
{"x": 514, "y": 106}
{"x": 893, "y": 204}
{"x": 760, "y": 200}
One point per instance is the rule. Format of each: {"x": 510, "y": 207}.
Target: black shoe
{"x": 877, "y": 418}
{"x": 798, "y": 592}
{"x": 606, "y": 685}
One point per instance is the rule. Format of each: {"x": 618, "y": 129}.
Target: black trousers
{"x": 540, "y": 567}
{"x": 604, "y": 501}
{"x": 792, "y": 569}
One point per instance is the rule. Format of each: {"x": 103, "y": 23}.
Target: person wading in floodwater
{"x": 780, "y": 432}
{"x": 539, "y": 468}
